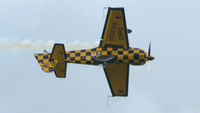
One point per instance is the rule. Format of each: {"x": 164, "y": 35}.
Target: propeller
{"x": 149, "y": 51}
{"x": 149, "y": 58}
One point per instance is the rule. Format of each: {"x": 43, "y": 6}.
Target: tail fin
{"x": 58, "y": 56}
{"x": 54, "y": 61}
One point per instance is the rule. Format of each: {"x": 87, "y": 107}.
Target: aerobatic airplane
{"x": 113, "y": 53}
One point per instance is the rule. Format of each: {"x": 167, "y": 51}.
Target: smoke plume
{"x": 6, "y": 44}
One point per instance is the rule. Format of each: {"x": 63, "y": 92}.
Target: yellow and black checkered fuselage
{"x": 134, "y": 56}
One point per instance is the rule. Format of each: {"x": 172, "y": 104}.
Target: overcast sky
{"x": 172, "y": 86}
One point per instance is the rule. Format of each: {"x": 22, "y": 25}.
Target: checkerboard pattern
{"x": 133, "y": 56}
{"x": 44, "y": 60}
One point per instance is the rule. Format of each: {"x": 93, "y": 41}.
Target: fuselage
{"x": 95, "y": 56}
{"x": 134, "y": 56}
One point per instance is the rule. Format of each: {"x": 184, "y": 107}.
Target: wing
{"x": 117, "y": 76}
{"x": 115, "y": 30}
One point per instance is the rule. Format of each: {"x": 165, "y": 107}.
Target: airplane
{"x": 113, "y": 53}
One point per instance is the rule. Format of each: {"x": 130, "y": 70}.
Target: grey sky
{"x": 172, "y": 86}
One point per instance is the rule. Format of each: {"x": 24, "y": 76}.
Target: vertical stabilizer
{"x": 58, "y": 56}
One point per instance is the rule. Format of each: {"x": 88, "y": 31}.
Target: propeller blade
{"x": 149, "y": 52}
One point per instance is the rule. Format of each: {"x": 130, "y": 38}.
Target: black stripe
{"x": 127, "y": 79}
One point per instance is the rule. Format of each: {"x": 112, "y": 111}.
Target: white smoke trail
{"x": 39, "y": 45}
